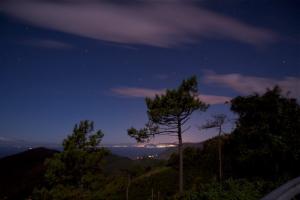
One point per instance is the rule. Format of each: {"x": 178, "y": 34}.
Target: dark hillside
{"x": 20, "y": 173}
{"x": 114, "y": 164}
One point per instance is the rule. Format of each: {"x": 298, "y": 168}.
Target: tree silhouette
{"x": 217, "y": 122}
{"x": 267, "y": 132}
{"x": 168, "y": 114}
{"x": 76, "y": 172}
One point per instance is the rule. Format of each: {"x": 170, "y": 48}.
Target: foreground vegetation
{"x": 261, "y": 153}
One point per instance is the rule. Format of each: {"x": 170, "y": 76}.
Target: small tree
{"x": 76, "y": 172}
{"x": 217, "y": 122}
{"x": 169, "y": 113}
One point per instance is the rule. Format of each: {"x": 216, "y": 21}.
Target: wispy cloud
{"x": 214, "y": 99}
{"x": 146, "y": 92}
{"x": 249, "y": 84}
{"x": 47, "y": 43}
{"x": 155, "y": 23}
{"x": 4, "y": 139}
{"x": 137, "y": 92}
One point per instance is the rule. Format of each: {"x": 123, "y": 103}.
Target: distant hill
{"x": 21, "y": 172}
{"x": 9, "y": 146}
{"x": 135, "y": 152}
{"x": 15, "y": 146}
{"x": 165, "y": 155}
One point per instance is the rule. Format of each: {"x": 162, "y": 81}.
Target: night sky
{"x": 63, "y": 61}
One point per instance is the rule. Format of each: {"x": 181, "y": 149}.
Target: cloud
{"x": 249, "y": 84}
{"x": 47, "y": 43}
{"x": 145, "y": 92}
{"x": 214, "y": 99}
{"x": 4, "y": 139}
{"x": 137, "y": 92}
{"x": 163, "y": 23}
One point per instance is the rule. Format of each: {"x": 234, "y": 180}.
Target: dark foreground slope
{"x": 21, "y": 172}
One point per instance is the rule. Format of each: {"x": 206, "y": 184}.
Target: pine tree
{"x": 168, "y": 114}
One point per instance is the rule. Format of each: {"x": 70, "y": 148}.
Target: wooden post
{"x": 127, "y": 188}
{"x": 152, "y": 198}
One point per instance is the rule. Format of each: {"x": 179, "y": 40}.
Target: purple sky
{"x": 68, "y": 60}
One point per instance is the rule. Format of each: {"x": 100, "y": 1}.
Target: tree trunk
{"x": 180, "y": 153}
{"x": 220, "y": 155}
